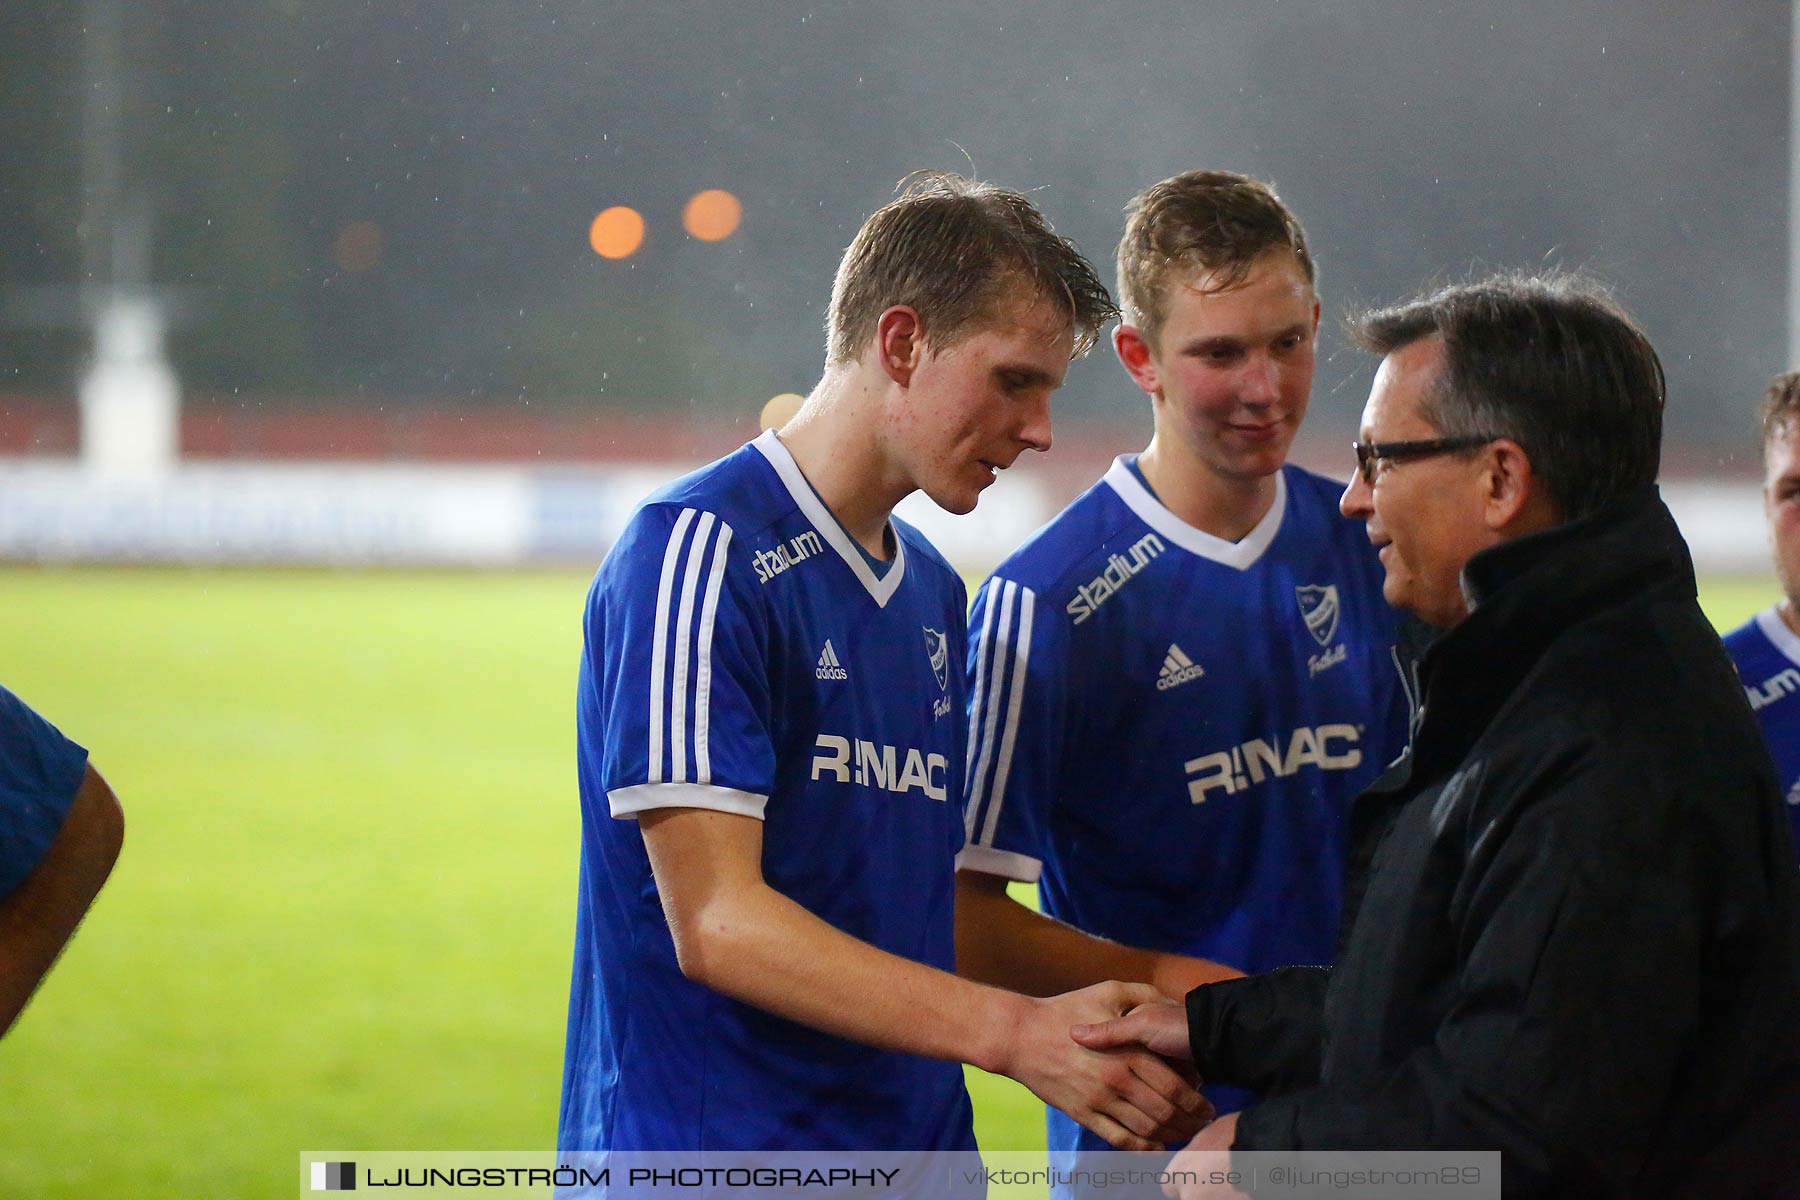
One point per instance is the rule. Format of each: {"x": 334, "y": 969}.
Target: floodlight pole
{"x": 101, "y": 154}
{"x": 130, "y": 399}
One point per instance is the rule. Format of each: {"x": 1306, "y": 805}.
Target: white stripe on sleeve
{"x": 1021, "y": 664}
{"x": 703, "y": 667}
{"x": 659, "y": 642}
{"x": 977, "y": 696}
{"x": 989, "y": 710}
{"x": 678, "y": 681}
{"x": 999, "y": 698}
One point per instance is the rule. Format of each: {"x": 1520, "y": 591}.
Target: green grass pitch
{"x": 343, "y": 914}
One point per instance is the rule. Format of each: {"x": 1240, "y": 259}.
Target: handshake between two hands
{"x": 1116, "y": 1058}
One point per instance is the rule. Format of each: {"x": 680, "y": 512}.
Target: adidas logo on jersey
{"x": 1177, "y": 669}
{"x": 829, "y": 666}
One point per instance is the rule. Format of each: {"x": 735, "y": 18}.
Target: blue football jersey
{"x": 40, "y": 772}
{"x": 1767, "y": 654}
{"x": 1167, "y": 729}
{"x": 743, "y": 655}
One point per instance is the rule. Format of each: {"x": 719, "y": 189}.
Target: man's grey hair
{"x": 1553, "y": 363}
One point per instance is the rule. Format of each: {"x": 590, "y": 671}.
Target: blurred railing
{"x": 417, "y": 483}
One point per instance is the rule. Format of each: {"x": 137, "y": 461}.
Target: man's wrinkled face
{"x": 974, "y": 406}
{"x": 1781, "y": 503}
{"x": 1425, "y": 515}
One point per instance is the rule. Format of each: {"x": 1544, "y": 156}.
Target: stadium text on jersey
{"x": 770, "y": 563}
{"x": 1119, "y": 572}
{"x": 1773, "y": 689}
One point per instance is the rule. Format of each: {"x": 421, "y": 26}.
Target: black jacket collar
{"x": 1525, "y": 593}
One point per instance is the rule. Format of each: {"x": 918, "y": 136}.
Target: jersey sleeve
{"x": 677, "y": 642}
{"x": 40, "y": 772}
{"x": 1017, "y": 673}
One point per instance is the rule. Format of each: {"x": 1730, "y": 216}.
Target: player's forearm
{"x": 765, "y": 950}
{"x": 1001, "y": 942}
{"x": 1175, "y": 975}
{"x": 39, "y": 917}
{"x": 741, "y": 937}
{"x": 762, "y": 948}
{"x": 737, "y": 935}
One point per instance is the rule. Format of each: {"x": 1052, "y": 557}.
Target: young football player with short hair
{"x": 771, "y": 739}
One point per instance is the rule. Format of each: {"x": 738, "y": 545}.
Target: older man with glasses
{"x": 1571, "y": 925}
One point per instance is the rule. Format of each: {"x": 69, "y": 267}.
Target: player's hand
{"x": 1129, "y": 1097}
{"x": 1158, "y": 1025}
{"x": 1204, "y": 1158}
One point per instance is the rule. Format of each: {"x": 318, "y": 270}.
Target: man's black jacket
{"x": 1572, "y": 929}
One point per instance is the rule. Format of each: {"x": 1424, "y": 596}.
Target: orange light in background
{"x": 712, "y": 215}
{"x": 358, "y": 247}
{"x": 617, "y": 232}
{"x": 780, "y": 410}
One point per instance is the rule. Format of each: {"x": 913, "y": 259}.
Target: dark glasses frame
{"x": 1368, "y": 454}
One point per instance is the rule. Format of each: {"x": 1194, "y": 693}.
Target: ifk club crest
{"x": 1319, "y": 609}
{"x": 937, "y": 649}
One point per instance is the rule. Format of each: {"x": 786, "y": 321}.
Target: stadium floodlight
{"x": 617, "y": 232}
{"x": 712, "y": 215}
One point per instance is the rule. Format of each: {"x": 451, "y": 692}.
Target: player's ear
{"x": 1136, "y": 357}
{"x": 900, "y": 342}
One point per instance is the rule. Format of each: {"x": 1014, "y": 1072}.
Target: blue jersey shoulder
{"x": 40, "y": 771}
{"x": 737, "y": 489}
{"x": 1767, "y": 655}
{"x": 1058, "y": 558}
{"x": 1769, "y": 673}
{"x": 1748, "y": 646}
{"x": 1315, "y": 493}
{"x": 922, "y": 555}
{"x": 1096, "y": 545}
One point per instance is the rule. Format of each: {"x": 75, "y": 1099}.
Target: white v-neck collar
{"x": 1241, "y": 555}
{"x": 1776, "y": 630}
{"x": 881, "y": 588}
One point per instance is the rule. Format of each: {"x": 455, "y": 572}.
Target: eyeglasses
{"x": 1370, "y": 454}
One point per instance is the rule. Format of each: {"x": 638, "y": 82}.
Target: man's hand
{"x": 1157, "y": 1024}
{"x": 1129, "y": 1097}
{"x": 1207, "y": 1153}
